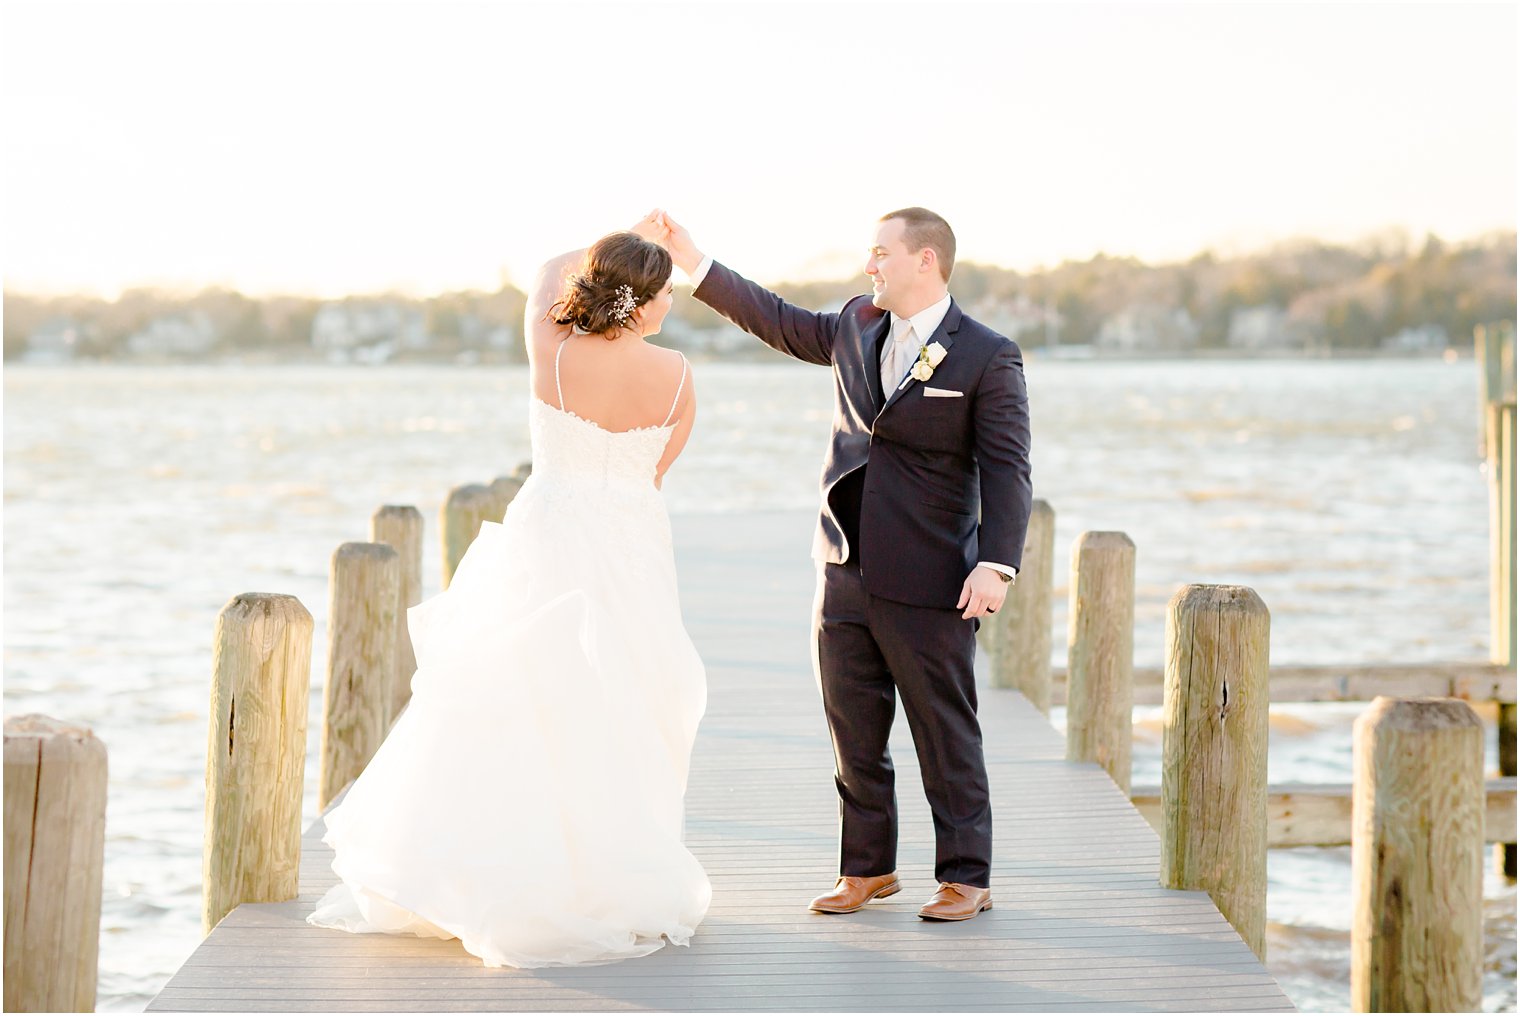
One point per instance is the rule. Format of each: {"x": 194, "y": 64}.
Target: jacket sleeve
{"x": 1001, "y": 434}
{"x": 783, "y": 326}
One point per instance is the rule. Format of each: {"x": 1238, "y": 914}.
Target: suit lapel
{"x": 871, "y": 339}
{"x": 945, "y": 336}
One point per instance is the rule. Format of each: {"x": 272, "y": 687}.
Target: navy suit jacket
{"x": 906, "y": 473}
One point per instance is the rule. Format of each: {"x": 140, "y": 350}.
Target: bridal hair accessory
{"x": 929, "y": 357}
{"x": 624, "y": 305}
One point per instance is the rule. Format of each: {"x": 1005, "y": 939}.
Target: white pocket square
{"x": 941, "y": 393}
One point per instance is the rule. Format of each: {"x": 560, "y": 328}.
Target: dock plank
{"x": 1079, "y": 922}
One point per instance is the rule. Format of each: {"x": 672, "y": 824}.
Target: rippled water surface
{"x": 138, "y": 500}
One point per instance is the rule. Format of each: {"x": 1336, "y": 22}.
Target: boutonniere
{"x": 929, "y": 357}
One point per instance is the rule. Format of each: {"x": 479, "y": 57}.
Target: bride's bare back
{"x": 620, "y": 384}
{"x": 627, "y": 384}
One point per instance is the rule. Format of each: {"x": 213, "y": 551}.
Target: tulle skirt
{"x": 528, "y": 801}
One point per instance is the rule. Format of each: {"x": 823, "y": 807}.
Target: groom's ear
{"x": 928, "y": 261}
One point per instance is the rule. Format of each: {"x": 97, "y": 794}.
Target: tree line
{"x": 1339, "y": 297}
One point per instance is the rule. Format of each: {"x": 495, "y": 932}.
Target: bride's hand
{"x": 652, "y": 228}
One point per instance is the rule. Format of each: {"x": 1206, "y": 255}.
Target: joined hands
{"x": 658, "y": 227}
{"x": 652, "y": 227}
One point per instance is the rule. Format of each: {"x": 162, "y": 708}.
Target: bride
{"x": 529, "y": 799}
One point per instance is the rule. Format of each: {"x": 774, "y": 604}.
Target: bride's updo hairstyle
{"x": 621, "y": 273}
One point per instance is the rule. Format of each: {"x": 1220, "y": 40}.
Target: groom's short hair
{"x": 925, "y": 229}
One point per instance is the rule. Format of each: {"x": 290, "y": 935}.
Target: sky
{"x": 327, "y": 148}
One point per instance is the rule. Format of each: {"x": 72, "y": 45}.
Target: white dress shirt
{"x": 924, "y": 324}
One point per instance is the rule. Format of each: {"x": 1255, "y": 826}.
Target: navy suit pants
{"x": 867, "y": 651}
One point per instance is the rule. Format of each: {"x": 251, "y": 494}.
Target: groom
{"x": 931, "y": 423}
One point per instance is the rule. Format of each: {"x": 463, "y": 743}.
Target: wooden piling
{"x": 400, "y": 526}
{"x": 1020, "y": 643}
{"x": 459, "y": 522}
{"x": 361, "y": 661}
{"x": 1501, "y": 530}
{"x": 504, "y": 489}
{"x": 1417, "y": 857}
{"x": 256, "y": 754}
{"x": 1100, "y": 653}
{"x": 55, "y": 821}
{"x": 1214, "y": 753}
{"x": 1494, "y": 352}
{"x": 1504, "y": 853}
{"x": 1501, "y": 478}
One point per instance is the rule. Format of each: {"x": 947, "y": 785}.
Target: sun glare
{"x": 336, "y": 148}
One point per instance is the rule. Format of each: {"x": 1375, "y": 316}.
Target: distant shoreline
{"x": 1035, "y": 354}
{"x": 1085, "y": 355}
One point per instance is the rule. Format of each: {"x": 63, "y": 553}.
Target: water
{"x": 139, "y": 500}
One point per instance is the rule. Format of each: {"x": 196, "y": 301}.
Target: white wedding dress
{"x": 529, "y": 799}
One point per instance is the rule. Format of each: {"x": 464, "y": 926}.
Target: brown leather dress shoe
{"x": 852, "y": 892}
{"x": 956, "y": 902}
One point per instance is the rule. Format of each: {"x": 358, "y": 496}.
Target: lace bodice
{"x": 573, "y": 452}
{"x": 602, "y": 479}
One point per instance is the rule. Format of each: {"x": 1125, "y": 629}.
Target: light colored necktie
{"x": 898, "y": 359}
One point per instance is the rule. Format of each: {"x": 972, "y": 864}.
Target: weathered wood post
{"x": 467, "y": 506}
{"x": 1100, "y": 653}
{"x": 256, "y": 755}
{"x": 505, "y": 488}
{"x": 55, "y": 834}
{"x": 1020, "y": 641}
{"x": 1494, "y": 349}
{"x": 1501, "y": 479}
{"x": 361, "y": 661}
{"x": 1417, "y": 857}
{"x": 1504, "y": 853}
{"x": 400, "y": 526}
{"x": 1501, "y": 533}
{"x": 1494, "y": 352}
{"x": 1214, "y": 753}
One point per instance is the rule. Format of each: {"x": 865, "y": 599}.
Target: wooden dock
{"x": 1079, "y": 922}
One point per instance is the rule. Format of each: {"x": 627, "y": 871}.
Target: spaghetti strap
{"x": 679, "y": 389}
{"x": 559, "y": 390}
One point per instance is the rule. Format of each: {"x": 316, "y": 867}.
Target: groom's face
{"x": 892, "y": 268}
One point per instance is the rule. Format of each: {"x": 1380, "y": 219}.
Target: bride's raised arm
{"x": 540, "y": 331}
